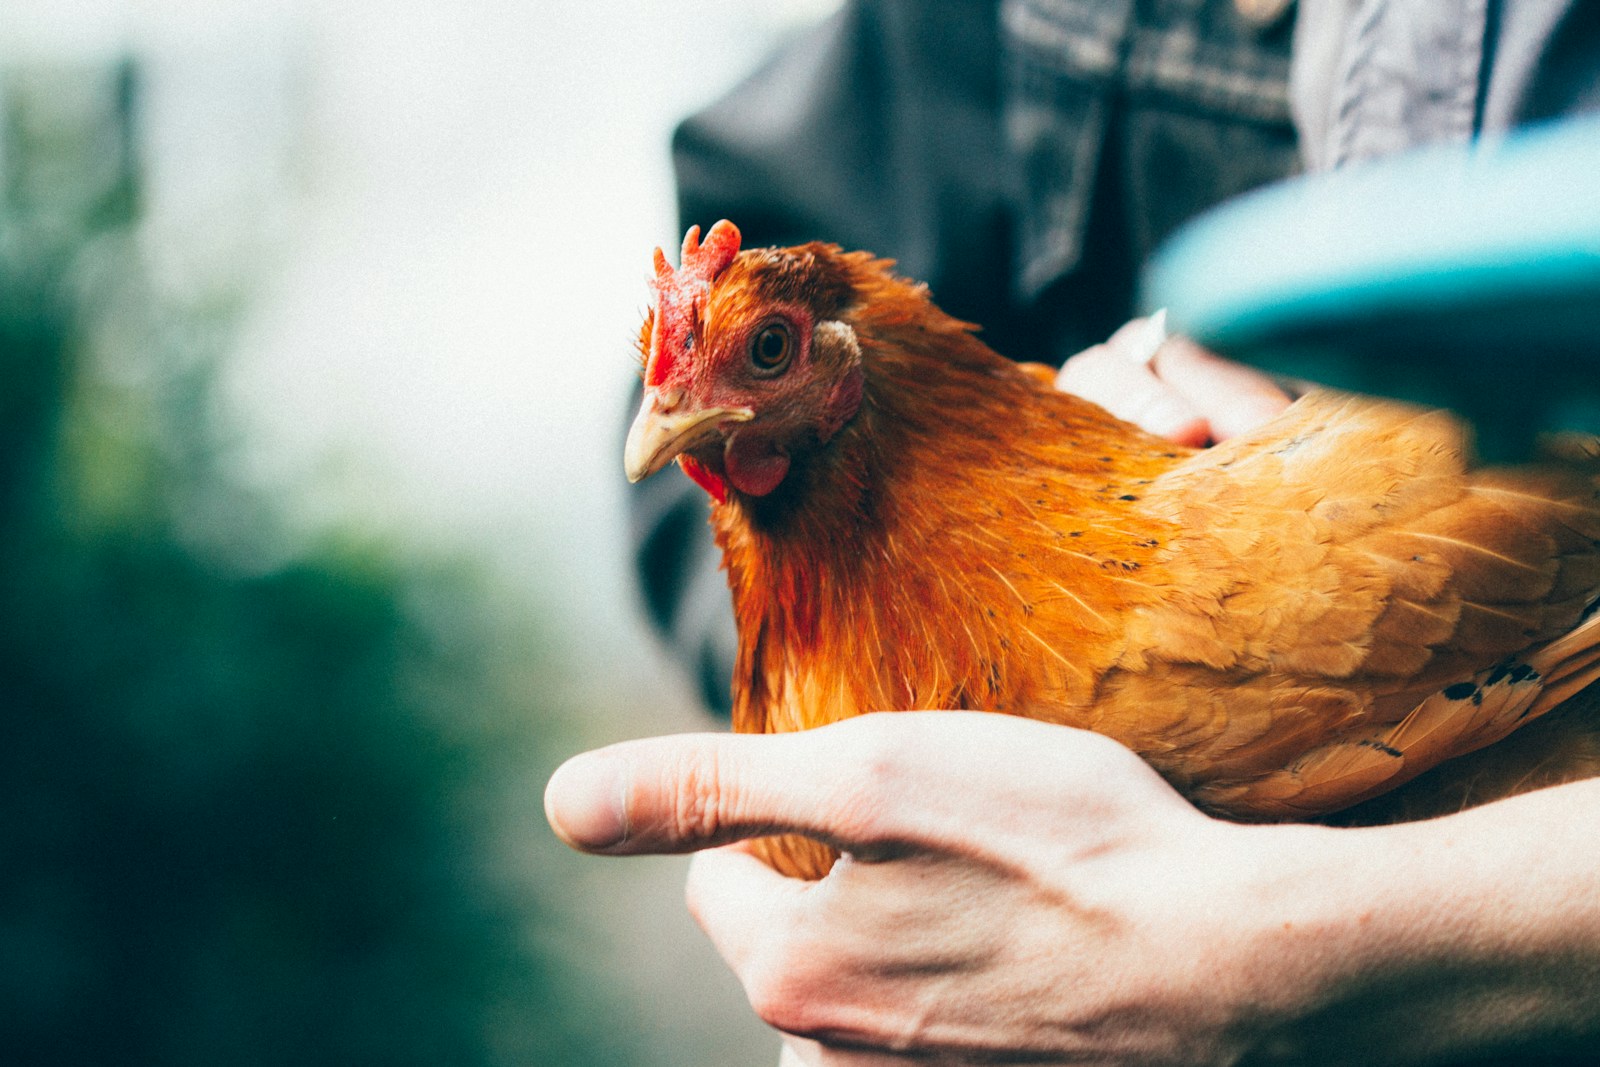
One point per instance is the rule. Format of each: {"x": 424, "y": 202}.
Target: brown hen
{"x": 1285, "y": 625}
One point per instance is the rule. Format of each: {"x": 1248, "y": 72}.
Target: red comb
{"x": 678, "y": 291}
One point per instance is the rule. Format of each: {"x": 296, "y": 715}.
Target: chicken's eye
{"x": 771, "y": 347}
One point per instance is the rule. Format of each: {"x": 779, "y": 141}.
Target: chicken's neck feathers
{"x": 965, "y": 507}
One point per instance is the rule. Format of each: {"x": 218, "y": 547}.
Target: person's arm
{"x": 1019, "y": 892}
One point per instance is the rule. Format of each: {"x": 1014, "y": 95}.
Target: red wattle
{"x": 754, "y": 467}
{"x": 705, "y": 478}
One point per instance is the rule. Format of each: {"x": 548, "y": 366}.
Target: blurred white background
{"x": 449, "y": 211}
{"x": 442, "y": 216}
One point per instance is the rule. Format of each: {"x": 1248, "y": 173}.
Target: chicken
{"x": 1285, "y": 625}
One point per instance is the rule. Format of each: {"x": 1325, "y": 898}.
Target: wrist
{"x": 1406, "y": 943}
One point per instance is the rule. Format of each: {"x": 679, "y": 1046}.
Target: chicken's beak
{"x": 667, "y": 426}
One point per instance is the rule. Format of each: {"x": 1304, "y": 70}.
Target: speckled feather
{"x": 1284, "y": 625}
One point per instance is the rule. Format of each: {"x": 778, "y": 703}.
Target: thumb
{"x": 870, "y": 786}
{"x": 688, "y": 792}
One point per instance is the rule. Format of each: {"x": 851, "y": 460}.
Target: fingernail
{"x": 585, "y": 802}
{"x": 1144, "y": 337}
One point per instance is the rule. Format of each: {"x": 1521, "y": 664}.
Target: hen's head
{"x": 746, "y": 362}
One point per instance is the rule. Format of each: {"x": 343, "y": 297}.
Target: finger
{"x": 803, "y": 1052}
{"x": 740, "y": 902}
{"x": 1129, "y": 389}
{"x": 780, "y": 938}
{"x": 1232, "y": 397}
{"x": 694, "y": 791}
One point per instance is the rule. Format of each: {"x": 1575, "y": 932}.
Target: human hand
{"x": 1010, "y": 891}
{"x": 1171, "y": 386}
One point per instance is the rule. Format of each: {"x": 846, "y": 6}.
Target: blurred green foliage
{"x": 247, "y": 787}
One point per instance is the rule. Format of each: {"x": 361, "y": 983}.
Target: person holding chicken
{"x": 1019, "y": 891}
